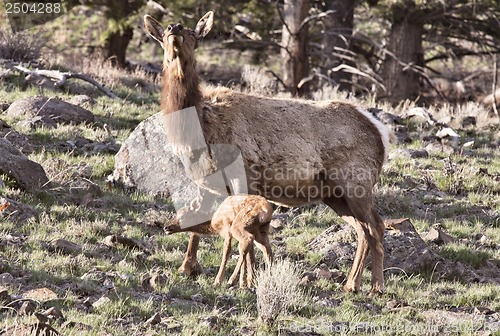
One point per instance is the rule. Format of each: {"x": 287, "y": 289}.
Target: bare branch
{"x": 314, "y": 17}
{"x": 61, "y": 78}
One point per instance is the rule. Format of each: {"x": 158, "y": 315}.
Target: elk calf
{"x": 244, "y": 217}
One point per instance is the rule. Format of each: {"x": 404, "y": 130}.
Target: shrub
{"x": 20, "y": 47}
{"x": 277, "y": 290}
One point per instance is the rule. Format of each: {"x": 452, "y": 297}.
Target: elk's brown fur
{"x": 330, "y": 147}
{"x": 245, "y": 218}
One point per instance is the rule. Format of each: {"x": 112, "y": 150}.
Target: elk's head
{"x": 177, "y": 41}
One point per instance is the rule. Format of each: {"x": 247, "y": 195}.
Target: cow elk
{"x": 295, "y": 152}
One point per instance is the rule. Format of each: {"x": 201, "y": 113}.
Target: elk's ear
{"x": 154, "y": 28}
{"x": 204, "y": 26}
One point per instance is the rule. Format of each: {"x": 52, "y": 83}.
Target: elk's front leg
{"x": 190, "y": 265}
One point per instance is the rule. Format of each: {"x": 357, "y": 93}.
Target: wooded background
{"x": 392, "y": 49}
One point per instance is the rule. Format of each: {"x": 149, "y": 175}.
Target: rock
{"x": 483, "y": 311}
{"x": 113, "y": 240}
{"x": 3, "y": 124}
{"x": 65, "y": 246}
{"x": 209, "y": 322}
{"x": 37, "y": 122}
{"x": 3, "y": 107}
{"x": 6, "y": 278}
{"x": 437, "y": 236}
{"x": 154, "y": 281}
{"x": 437, "y": 148}
{"x": 40, "y": 294}
{"x": 77, "y": 325}
{"x": 419, "y": 116}
{"x": 157, "y": 280}
{"x": 15, "y": 211}
{"x": 28, "y": 175}
{"x": 469, "y": 121}
{"x": 57, "y": 110}
{"x": 197, "y": 297}
{"x": 449, "y": 134}
{"x": 386, "y": 117}
{"x": 27, "y": 308}
{"x": 51, "y": 314}
{"x": 4, "y": 296}
{"x": 405, "y": 249}
{"x": 82, "y": 101}
{"x": 101, "y": 302}
{"x": 145, "y": 162}
{"x": 308, "y": 278}
{"x": 325, "y": 273}
{"x": 38, "y": 328}
{"x": 278, "y": 222}
{"x": 419, "y": 153}
{"x": 154, "y": 320}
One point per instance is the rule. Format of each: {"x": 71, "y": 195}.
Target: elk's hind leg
{"x": 340, "y": 206}
{"x": 373, "y": 228}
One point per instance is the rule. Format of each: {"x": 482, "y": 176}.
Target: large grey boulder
{"x": 49, "y": 109}
{"x": 27, "y": 174}
{"x": 145, "y": 162}
{"x": 404, "y": 248}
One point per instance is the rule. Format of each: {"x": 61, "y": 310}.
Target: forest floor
{"x": 93, "y": 288}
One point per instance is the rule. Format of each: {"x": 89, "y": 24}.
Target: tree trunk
{"x": 337, "y": 35}
{"x": 116, "y": 46}
{"x": 295, "y": 39}
{"x": 405, "y": 43}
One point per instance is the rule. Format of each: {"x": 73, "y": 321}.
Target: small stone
{"x": 337, "y": 277}
{"x": 393, "y": 304}
{"x": 27, "y": 308}
{"x": 308, "y": 278}
{"x": 40, "y": 294}
{"x": 65, "y": 246}
{"x": 438, "y": 236}
{"x": 483, "y": 311}
{"x": 399, "y": 225}
{"x": 209, "y": 322}
{"x": 6, "y": 278}
{"x": 436, "y": 148}
{"x": 53, "y": 314}
{"x": 469, "y": 121}
{"x": 4, "y": 296}
{"x": 157, "y": 280}
{"x": 154, "y": 320}
{"x": 76, "y": 325}
{"x": 113, "y": 240}
{"x": 197, "y": 297}
{"x": 419, "y": 153}
{"x": 101, "y": 302}
{"x": 483, "y": 240}
{"x": 278, "y": 222}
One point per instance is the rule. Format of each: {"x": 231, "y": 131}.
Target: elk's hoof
{"x": 191, "y": 270}
{"x": 350, "y": 289}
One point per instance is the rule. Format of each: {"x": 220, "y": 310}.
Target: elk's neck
{"x": 181, "y": 86}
